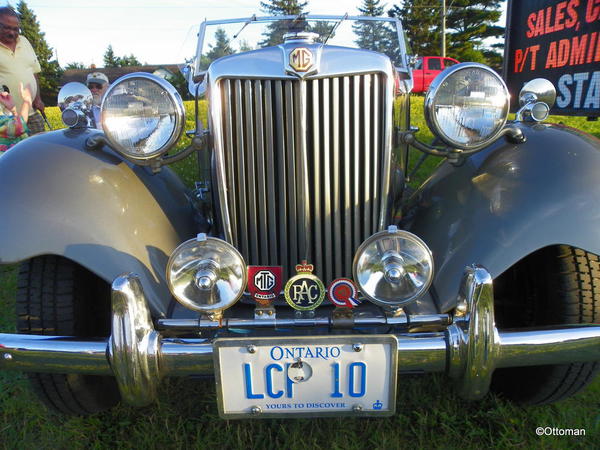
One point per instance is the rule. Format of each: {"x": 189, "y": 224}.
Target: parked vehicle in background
{"x": 427, "y": 68}
{"x": 296, "y": 271}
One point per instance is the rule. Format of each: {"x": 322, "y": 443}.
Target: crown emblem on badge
{"x": 304, "y": 267}
{"x": 301, "y": 59}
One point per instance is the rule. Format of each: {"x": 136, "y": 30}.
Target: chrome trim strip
{"x": 357, "y": 213}
{"x": 386, "y": 172}
{"x": 283, "y": 177}
{"x": 317, "y": 136}
{"x": 291, "y": 171}
{"x": 366, "y": 108}
{"x": 304, "y": 238}
{"x": 261, "y": 176}
{"x": 241, "y": 167}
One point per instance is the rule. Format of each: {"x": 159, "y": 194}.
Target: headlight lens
{"x": 206, "y": 274}
{"x": 393, "y": 268}
{"x": 142, "y": 115}
{"x": 467, "y": 105}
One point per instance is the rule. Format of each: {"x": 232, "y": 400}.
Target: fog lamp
{"x": 393, "y": 268}
{"x": 206, "y": 274}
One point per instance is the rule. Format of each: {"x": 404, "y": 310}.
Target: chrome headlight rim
{"x": 191, "y": 304}
{"x": 430, "y": 116}
{"x": 391, "y": 232}
{"x": 176, "y": 100}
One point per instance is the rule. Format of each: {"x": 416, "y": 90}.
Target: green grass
{"x": 429, "y": 414}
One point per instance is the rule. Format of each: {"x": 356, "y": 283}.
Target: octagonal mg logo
{"x": 264, "y": 280}
{"x": 301, "y": 59}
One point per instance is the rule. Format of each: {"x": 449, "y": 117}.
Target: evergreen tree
{"x": 129, "y": 61}
{"x": 51, "y": 72}
{"x": 376, "y": 36}
{"x": 221, "y": 47}
{"x": 275, "y": 31}
{"x": 470, "y": 22}
{"x": 110, "y": 59}
{"x": 75, "y": 65}
{"x": 421, "y": 25}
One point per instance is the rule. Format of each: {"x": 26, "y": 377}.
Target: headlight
{"x": 393, "y": 268}
{"x": 206, "y": 274}
{"x": 142, "y": 115}
{"x": 467, "y": 106}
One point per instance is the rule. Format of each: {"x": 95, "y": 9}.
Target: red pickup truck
{"x": 426, "y": 70}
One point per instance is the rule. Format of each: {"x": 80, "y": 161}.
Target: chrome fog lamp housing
{"x": 467, "y": 106}
{"x": 206, "y": 274}
{"x": 142, "y": 116}
{"x": 393, "y": 268}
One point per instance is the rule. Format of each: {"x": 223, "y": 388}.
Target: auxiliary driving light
{"x": 206, "y": 274}
{"x": 393, "y": 268}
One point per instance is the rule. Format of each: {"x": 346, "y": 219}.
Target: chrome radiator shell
{"x": 302, "y": 165}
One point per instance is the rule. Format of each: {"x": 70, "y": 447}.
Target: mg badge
{"x": 304, "y": 291}
{"x": 301, "y": 59}
{"x": 342, "y": 292}
{"x": 264, "y": 283}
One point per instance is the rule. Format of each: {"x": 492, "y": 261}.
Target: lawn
{"x": 429, "y": 414}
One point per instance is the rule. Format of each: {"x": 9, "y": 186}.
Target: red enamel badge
{"x": 264, "y": 283}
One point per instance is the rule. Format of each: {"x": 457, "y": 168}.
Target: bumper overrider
{"x": 469, "y": 349}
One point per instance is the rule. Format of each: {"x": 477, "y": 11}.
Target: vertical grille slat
{"x": 327, "y": 231}
{"x": 302, "y": 168}
{"x": 261, "y": 204}
{"x": 346, "y": 179}
{"x": 269, "y": 174}
{"x": 252, "y": 234}
{"x": 229, "y": 151}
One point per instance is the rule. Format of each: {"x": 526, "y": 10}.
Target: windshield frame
{"x": 243, "y": 21}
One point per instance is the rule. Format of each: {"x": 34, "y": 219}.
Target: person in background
{"x": 18, "y": 64}
{"x": 97, "y": 82}
{"x": 13, "y": 122}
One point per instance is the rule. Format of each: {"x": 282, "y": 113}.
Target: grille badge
{"x": 301, "y": 59}
{"x": 343, "y": 293}
{"x": 264, "y": 283}
{"x": 304, "y": 291}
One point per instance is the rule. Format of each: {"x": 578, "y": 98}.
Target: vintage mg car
{"x": 300, "y": 270}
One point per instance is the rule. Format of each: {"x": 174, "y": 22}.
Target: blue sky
{"x": 155, "y": 31}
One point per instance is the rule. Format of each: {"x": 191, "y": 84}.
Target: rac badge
{"x": 343, "y": 293}
{"x": 264, "y": 283}
{"x": 304, "y": 291}
{"x": 301, "y": 59}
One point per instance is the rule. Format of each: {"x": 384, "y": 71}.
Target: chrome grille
{"x": 304, "y": 168}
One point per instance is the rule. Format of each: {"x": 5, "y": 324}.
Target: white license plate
{"x": 309, "y": 375}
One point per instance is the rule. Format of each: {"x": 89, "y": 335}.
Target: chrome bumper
{"x": 469, "y": 349}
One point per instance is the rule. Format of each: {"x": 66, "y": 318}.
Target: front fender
{"x": 508, "y": 201}
{"x": 92, "y": 207}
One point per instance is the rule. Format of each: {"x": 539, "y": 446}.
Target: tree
{"x": 422, "y": 27}
{"x": 276, "y": 30}
{"x": 468, "y": 24}
{"x": 129, "y": 61}
{"x": 221, "y": 47}
{"x": 471, "y": 22}
{"x": 376, "y": 36}
{"x": 51, "y": 72}
{"x": 110, "y": 59}
{"x": 75, "y": 65}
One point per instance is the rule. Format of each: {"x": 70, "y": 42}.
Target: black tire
{"x": 556, "y": 285}
{"x": 57, "y": 297}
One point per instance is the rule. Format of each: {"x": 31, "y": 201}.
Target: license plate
{"x": 309, "y": 375}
